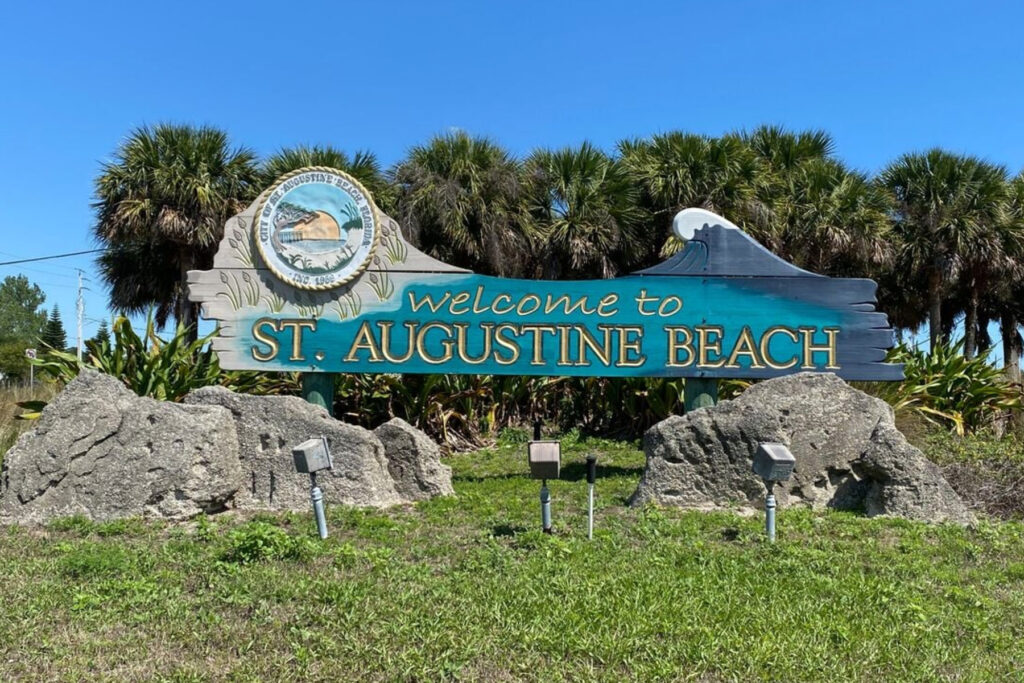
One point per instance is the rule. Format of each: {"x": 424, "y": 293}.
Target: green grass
{"x": 467, "y": 588}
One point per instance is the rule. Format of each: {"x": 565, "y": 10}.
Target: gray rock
{"x": 268, "y": 427}
{"x": 849, "y": 454}
{"x": 414, "y": 461}
{"x": 100, "y": 451}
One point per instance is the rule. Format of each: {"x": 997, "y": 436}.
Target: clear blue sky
{"x": 883, "y": 77}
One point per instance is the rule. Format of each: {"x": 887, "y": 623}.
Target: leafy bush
{"x": 258, "y": 540}
{"x": 949, "y": 389}
{"x": 162, "y": 369}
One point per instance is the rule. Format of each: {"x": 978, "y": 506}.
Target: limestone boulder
{"x": 101, "y": 451}
{"x": 849, "y": 454}
{"x": 267, "y": 427}
{"x": 414, "y": 461}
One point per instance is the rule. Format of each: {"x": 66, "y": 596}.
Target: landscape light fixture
{"x": 545, "y": 459}
{"x": 591, "y": 478}
{"x": 774, "y": 463}
{"x": 310, "y": 457}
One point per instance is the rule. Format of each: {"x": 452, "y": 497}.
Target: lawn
{"x": 467, "y": 588}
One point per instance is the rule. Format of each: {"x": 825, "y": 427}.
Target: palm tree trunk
{"x": 934, "y": 309}
{"x": 971, "y": 323}
{"x": 1012, "y": 346}
{"x": 185, "y": 313}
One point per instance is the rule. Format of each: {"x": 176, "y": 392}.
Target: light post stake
{"x": 310, "y": 457}
{"x": 545, "y": 507}
{"x": 773, "y": 463}
{"x": 591, "y": 477}
{"x": 317, "y": 497}
{"x": 769, "y": 512}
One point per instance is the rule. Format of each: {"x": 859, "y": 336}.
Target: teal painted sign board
{"x": 314, "y": 278}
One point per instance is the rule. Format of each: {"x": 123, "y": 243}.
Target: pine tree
{"x": 54, "y": 336}
{"x": 102, "y": 334}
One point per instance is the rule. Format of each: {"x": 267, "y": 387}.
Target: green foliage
{"x": 465, "y": 411}
{"x": 466, "y": 587}
{"x": 949, "y": 389}
{"x": 258, "y": 540}
{"x": 14, "y": 366}
{"x": 147, "y": 364}
{"x": 163, "y": 369}
{"x": 20, "y": 318}
{"x": 54, "y": 336}
{"x": 585, "y": 206}
{"x": 161, "y": 206}
{"x": 459, "y": 199}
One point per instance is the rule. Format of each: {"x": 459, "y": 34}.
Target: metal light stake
{"x": 310, "y": 457}
{"x": 774, "y": 463}
{"x": 769, "y": 512}
{"x": 544, "y": 458}
{"x": 591, "y": 477}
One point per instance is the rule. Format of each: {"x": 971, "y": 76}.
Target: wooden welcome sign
{"x": 313, "y": 277}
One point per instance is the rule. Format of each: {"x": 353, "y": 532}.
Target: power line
{"x": 54, "y": 256}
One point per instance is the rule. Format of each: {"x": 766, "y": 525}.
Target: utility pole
{"x": 81, "y": 313}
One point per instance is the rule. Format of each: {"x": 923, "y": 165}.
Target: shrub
{"x": 949, "y": 389}
{"x": 258, "y": 540}
{"x": 988, "y": 473}
{"x": 163, "y": 369}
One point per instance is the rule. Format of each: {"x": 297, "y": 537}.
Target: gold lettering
{"x": 705, "y": 344}
{"x": 385, "y": 341}
{"x": 766, "y": 341}
{"x": 745, "y": 346}
{"x": 606, "y": 301}
{"x": 297, "y": 326}
{"x": 494, "y": 304}
{"x": 642, "y": 299}
{"x": 603, "y": 352}
{"x": 460, "y": 338}
{"x": 828, "y": 347}
{"x": 264, "y": 338}
{"x": 428, "y": 301}
{"x": 567, "y": 304}
{"x": 364, "y": 341}
{"x": 506, "y": 344}
{"x": 627, "y": 345}
{"x": 476, "y": 301}
{"x": 563, "y": 344}
{"x": 421, "y": 344}
{"x": 675, "y": 345}
{"x": 458, "y": 300}
{"x": 670, "y": 299}
{"x": 536, "y": 301}
{"x": 538, "y": 342}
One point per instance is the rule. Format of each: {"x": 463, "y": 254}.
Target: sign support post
{"x": 699, "y": 392}
{"x": 318, "y": 389}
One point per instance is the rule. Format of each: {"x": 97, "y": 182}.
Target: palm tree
{"x": 782, "y": 154}
{"x": 362, "y": 166}
{"x": 459, "y": 199}
{"x": 585, "y": 204}
{"x": 832, "y": 220}
{"x": 678, "y": 170}
{"x": 948, "y": 206}
{"x": 161, "y": 205}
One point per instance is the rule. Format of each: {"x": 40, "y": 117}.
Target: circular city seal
{"x": 317, "y": 227}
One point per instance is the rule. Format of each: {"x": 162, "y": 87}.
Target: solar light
{"x": 591, "y": 477}
{"x": 545, "y": 459}
{"x": 772, "y": 462}
{"x": 310, "y": 457}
